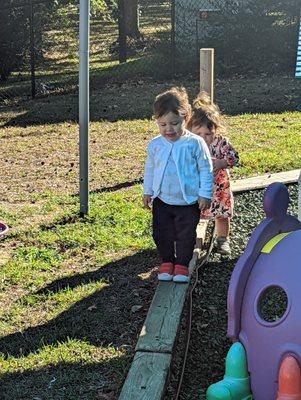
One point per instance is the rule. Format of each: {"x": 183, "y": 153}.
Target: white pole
{"x": 84, "y": 26}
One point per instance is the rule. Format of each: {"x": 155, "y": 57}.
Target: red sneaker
{"x": 166, "y": 272}
{"x": 181, "y": 274}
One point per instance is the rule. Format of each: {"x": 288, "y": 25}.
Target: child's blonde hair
{"x": 174, "y": 100}
{"x": 204, "y": 112}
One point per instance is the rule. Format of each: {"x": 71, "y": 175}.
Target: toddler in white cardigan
{"x": 177, "y": 182}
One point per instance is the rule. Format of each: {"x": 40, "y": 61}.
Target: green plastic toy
{"x": 236, "y": 382}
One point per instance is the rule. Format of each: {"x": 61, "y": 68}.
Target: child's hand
{"x": 147, "y": 200}
{"x": 219, "y": 164}
{"x": 204, "y": 203}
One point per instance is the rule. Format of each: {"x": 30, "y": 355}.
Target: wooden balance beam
{"x": 147, "y": 377}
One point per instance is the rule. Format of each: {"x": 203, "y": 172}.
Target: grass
{"x": 67, "y": 370}
{"x": 42, "y": 159}
{"x": 68, "y": 285}
{"x": 60, "y": 284}
{"x": 267, "y": 143}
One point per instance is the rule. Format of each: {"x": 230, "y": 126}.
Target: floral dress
{"x": 222, "y": 203}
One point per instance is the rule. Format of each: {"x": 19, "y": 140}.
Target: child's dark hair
{"x": 204, "y": 112}
{"x": 174, "y": 100}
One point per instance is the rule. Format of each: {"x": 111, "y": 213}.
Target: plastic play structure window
{"x": 272, "y": 304}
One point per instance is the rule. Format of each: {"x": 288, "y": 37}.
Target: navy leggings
{"x": 174, "y": 231}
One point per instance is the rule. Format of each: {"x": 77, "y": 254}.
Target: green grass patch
{"x": 58, "y": 288}
{"x": 68, "y": 284}
{"x": 267, "y": 143}
{"x": 116, "y": 223}
{"x": 71, "y": 370}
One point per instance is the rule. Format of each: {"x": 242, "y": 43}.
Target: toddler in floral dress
{"x": 206, "y": 122}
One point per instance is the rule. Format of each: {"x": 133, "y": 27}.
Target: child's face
{"x": 204, "y": 132}
{"x": 171, "y": 126}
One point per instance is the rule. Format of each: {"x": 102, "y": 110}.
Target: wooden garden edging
{"x": 262, "y": 181}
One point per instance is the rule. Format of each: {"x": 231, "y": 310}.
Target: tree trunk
{"x": 131, "y": 18}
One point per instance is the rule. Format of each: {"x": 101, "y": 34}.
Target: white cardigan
{"x": 193, "y": 162}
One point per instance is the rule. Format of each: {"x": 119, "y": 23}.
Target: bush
{"x": 104, "y": 8}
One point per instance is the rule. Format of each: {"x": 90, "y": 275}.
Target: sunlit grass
{"x": 70, "y": 369}
{"x": 266, "y": 142}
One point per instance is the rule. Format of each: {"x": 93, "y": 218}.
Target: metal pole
{"x": 32, "y": 52}
{"x": 84, "y": 24}
{"x": 173, "y": 39}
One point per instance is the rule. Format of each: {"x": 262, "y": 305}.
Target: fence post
{"x": 121, "y": 31}
{"x": 32, "y": 52}
{"x": 207, "y": 71}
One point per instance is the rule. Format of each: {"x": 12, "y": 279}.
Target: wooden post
{"x": 207, "y": 71}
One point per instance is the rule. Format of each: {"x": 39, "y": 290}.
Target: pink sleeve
{"x": 228, "y": 152}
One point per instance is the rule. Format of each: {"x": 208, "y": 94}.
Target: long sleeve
{"x": 205, "y": 170}
{"x": 228, "y": 152}
{"x": 148, "y": 173}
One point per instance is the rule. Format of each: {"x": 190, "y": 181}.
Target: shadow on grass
{"x": 113, "y": 188}
{"x": 132, "y": 99}
{"x": 117, "y": 92}
{"x": 117, "y": 187}
{"x": 104, "y": 318}
{"x": 66, "y": 381}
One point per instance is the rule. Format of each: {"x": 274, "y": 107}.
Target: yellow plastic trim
{"x": 268, "y": 247}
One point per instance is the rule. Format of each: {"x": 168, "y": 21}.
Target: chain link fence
{"x": 38, "y": 50}
{"x": 157, "y": 39}
{"x": 249, "y": 36}
{"x": 46, "y": 58}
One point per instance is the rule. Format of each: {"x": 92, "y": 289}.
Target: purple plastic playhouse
{"x": 264, "y": 309}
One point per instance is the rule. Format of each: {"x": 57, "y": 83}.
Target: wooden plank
{"x": 200, "y": 239}
{"x": 201, "y": 233}
{"x": 194, "y": 260}
{"x": 147, "y": 377}
{"x": 161, "y": 325}
{"x": 149, "y": 371}
{"x": 160, "y": 328}
{"x": 262, "y": 181}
